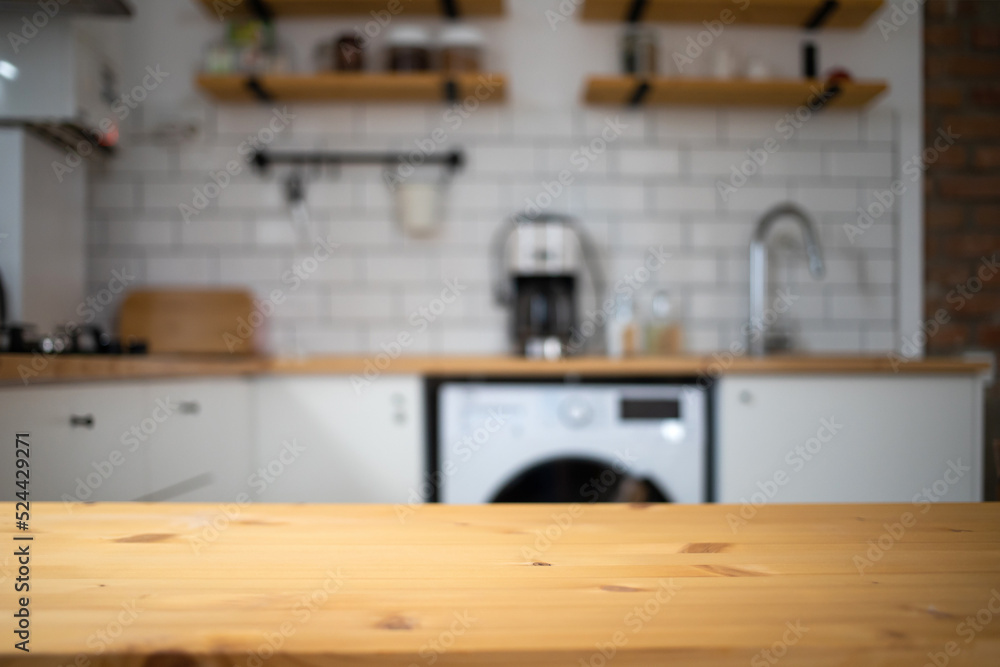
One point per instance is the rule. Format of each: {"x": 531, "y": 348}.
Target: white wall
{"x": 42, "y": 227}
{"x": 654, "y": 186}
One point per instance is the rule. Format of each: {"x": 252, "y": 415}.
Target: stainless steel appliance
{"x": 517, "y": 441}
{"x": 538, "y": 263}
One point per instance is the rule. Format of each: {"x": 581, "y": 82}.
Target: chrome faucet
{"x": 758, "y": 326}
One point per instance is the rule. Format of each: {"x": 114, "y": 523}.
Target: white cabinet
{"x": 849, "y": 439}
{"x": 77, "y": 440}
{"x": 321, "y": 440}
{"x": 197, "y": 439}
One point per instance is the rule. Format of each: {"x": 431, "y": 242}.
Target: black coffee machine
{"x": 538, "y": 262}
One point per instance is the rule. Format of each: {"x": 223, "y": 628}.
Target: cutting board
{"x": 191, "y": 321}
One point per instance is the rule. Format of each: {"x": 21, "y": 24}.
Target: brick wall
{"x": 962, "y": 39}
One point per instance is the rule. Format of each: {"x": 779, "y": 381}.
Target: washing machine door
{"x": 577, "y": 480}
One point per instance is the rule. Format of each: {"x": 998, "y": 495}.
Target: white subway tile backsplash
{"x": 649, "y": 231}
{"x": 682, "y": 198}
{"x": 754, "y": 199}
{"x": 685, "y": 125}
{"x": 615, "y": 198}
{"x": 831, "y": 125}
{"x": 822, "y": 200}
{"x": 361, "y": 304}
{"x": 236, "y": 270}
{"x": 497, "y": 159}
{"x": 269, "y": 194}
{"x": 539, "y": 124}
{"x": 212, "y": 231}
{"x": 863, "y": 306}
{"x": 140, "y": 233}
{"x": 653, "y": 187}
{"x": 396, "y": 268}
{"x": 173, "y": 270}
{"x": 648, "y": 162}
{"x": 869, "y": 164}
{"x": 879, "y": 125}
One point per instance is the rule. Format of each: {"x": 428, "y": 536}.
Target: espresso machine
{"x": 539, "y": 262}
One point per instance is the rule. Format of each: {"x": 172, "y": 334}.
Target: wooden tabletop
{"x": 27, "y": 369}
{"x": 858, "y": 585}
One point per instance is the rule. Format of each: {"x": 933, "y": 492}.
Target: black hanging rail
{"x": 452, "y": 160}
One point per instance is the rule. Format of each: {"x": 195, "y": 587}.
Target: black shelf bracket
{"x": 639, "y": 94}
{"x": 451, "y": 160}
{"x": 261, "y": 10}
{"x": 450, "y": 91}
{"x": 636, "y": 11}
{"x": 830, "y": 92}
{"x": 822, "y": 14}
{"x": 255, "y": 87}
{"x": 449, "y": 8}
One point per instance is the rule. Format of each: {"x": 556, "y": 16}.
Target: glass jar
{"x": 350, "y": 54}
{"x": 639, "y": 51}
{"x": 461, "y": 49}
{"x": 409, "y": 49}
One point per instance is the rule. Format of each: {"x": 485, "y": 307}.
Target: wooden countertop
{"x": 26, "y": 369}
{"x": 534, "y": 585}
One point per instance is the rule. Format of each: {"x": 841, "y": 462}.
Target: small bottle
{"x": 622, "y": 332}
{"x": 663, "y": 332}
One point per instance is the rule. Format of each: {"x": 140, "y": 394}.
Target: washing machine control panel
{"x": 489, "y": 432}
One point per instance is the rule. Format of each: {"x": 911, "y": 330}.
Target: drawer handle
{"x": 189, "y": 407}
{"x": 81, "y": 421}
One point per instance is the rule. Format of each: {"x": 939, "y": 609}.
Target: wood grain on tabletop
{"x": 508, "y": 584}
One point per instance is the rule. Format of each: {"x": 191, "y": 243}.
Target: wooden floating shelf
{"x": 801, "y": 13}
{"x": 301, "y": 8}
{"x": 353, "y": 87}
{"x": 623, "y": 90}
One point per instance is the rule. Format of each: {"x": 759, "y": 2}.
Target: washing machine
{"x": 559, "y": 441}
